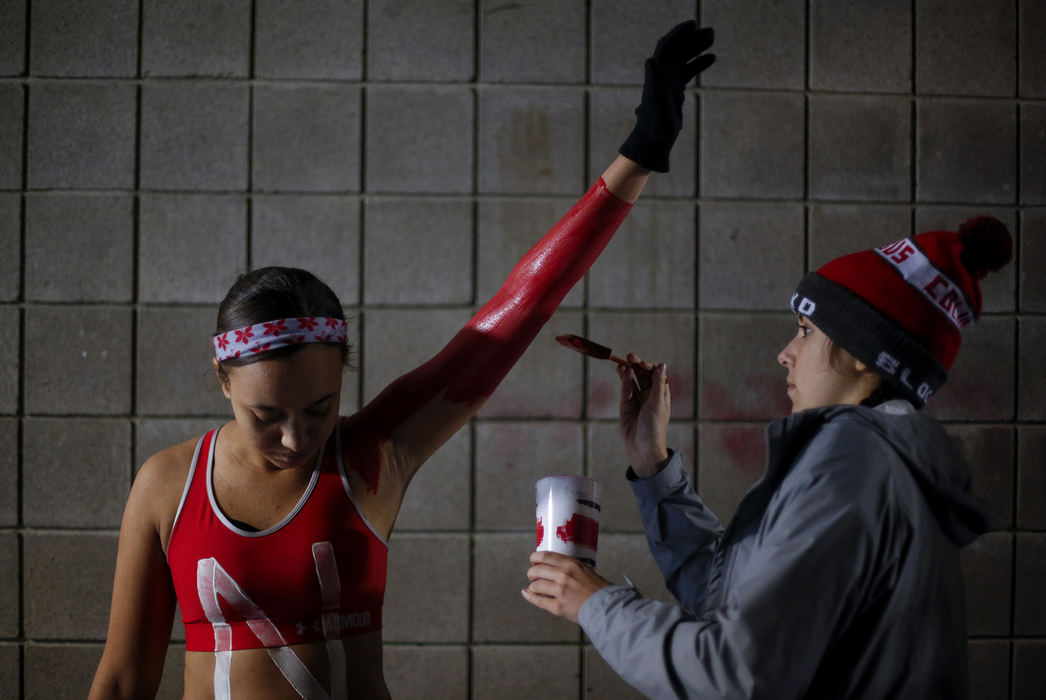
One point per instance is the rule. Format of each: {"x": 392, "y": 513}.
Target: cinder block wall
{"x": 408, "y": 152}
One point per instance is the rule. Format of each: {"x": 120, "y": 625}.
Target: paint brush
{"x": 602, "y": 352}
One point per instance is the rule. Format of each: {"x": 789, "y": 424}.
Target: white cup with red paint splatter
{"x": 568, "y": 515}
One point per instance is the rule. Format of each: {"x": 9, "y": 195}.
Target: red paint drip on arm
{"x": 475, "y": 361}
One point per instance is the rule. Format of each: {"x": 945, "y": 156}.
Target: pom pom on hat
{"x": 987, "y": 245}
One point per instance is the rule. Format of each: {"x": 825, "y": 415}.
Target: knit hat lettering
{"x": 924, "y": 276}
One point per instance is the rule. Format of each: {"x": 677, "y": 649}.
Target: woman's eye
{"x": 804, "y": 331}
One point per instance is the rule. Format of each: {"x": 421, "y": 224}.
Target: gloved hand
{"x": 677, "y": 58}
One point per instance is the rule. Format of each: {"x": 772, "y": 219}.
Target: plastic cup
{"x": 568, "y": 515}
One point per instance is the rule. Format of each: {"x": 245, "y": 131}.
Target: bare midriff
{"x": 254, "y": 675}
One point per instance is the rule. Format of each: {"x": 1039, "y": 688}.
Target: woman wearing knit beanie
{"x": 839, "y": 575}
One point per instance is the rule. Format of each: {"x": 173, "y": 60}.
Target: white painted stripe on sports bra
{"x": 261, "y": 533}
{"x": 348, "y": 488}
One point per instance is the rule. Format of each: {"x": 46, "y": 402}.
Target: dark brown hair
{"x": 271, "y": 293}
{"x": 884, "y": 391}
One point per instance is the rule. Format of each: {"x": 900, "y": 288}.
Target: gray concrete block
{"x": 1029, "y": 669}
{"x": 10, "y": 246}
{"x": 12, "y": 37}
{"x": 196, "y": 38}
{"x": 738, "y": 375}
{"x": 601, "y": 682}
{"x": 1031, "y": 477}
{"x": 1029, "y": 610}
{"x": 965, "y": 47}
{"x": 860, "y": 148}
{"x": 662, "y": 337}
{"x": 81, "y": 135}
{"x": 499, "y": 613}
{"x": 730, "y": 458}
{"x": 989, "y": 668}
{"x": 68, "y": 581}
{"x": 308, "y": 39}
{"x": 989, "y": 452}
{"x": 531, "y": 141}
{"x": 9, "y": 458}
{"x": 524, "y": 672}
{"x": 1032, "y": 260}
{"x": 841, "y": 229}
{"x": 966, "y": 152}
{"x": 759, "y": 43}
{"x": 1033, "y": 153}
{"x": 421, "y": 671}
{"x": 508, "y": 228}
{"x": 440, "y": 494}
{"x": 191, "y": 247}
{"x": 628, "y": 554}
{"x": 607, "y": 462}
{"x": 10, "y": 363}
{"x": 419, "y": 139}
{"x": 1031, "y": 397}
{"x": 510, "y": 457}
{"x": 418, "y": 252}
{"x": 536, "y": 42}
{"x": 998, "y": 289}
{"x": 318, "y": 234}
{"x": 427, "y": 598}
{"x": 752, "y": 144}
{"x": 194, "y": 136}
{"x": 611, "y": 117}
{"x": 77, "y": 662}
{"x": 173, "y": 678}
{"x": 11, "y": 665}
{"x": 863, "y": 46}
{"x": 650, "y": 261}
{"x": 750, "y": 256}
{"x": 78, "y": 360}
{"x": 981, "y": 383}
{"x": 10, "y": 585}
{"x": 154, "y": 434}
{"x": 174, "y": 371}
{"x": 306, "y": 138}
{"x": 546, "y": 382}
{"x": 622, "y": 38}
{"x": 12, "y": 123}
{"x": 413, "y": 41}
{"x": 987, "y": 566}
{"x": 1031, "y": 50}
{"x": 79, "y": 247}
{"x": 70, "y": 38}
{"x": 75, "y": 472}
{"x": 395, "y": 341}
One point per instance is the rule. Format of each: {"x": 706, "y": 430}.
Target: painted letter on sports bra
{"x": 213, "y": 583}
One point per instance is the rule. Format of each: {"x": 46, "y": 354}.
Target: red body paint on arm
{"x": 475, "y": 361}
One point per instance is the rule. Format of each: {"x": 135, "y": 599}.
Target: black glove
{"x": 677, "y": 58}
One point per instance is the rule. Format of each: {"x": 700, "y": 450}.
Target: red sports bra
{"x": 319, "y": 574}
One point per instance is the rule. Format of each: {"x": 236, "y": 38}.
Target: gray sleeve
{"x": 681, "y": 532}
{"x": 778, "y": 616}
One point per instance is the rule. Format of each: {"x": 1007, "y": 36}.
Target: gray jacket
{"x": 838, "y": 576}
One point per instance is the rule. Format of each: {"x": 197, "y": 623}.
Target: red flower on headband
{"x": 243, "y": 334}
{"x": 306, "y": 323}
{"x": 333, "y": 322}
{"x": 275, "y": 327}
{"x": 296, "y": 340}
{"x": 261, "y": 348}
{"x": 222, "y": 340}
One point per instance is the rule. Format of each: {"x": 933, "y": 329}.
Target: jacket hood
{"x": 935, "y": 463}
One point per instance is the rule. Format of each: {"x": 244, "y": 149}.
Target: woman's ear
{"x": 223, "y": 378}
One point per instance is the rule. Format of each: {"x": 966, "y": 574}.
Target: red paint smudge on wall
{"x": 580, "y": 529}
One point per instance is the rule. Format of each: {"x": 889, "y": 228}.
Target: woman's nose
{"x": 294, "y": 437}
{"x": 784, "y": 357}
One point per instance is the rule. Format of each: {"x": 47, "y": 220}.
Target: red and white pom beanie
{"x": 900, "y": 308}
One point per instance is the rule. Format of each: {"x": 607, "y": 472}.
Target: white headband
{"x": 283, "y": 332}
